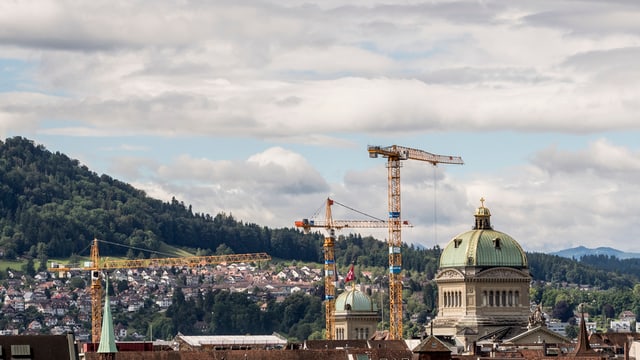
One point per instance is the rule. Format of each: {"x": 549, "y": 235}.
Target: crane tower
{"x": 97, "y": 264}
{"x": 329, "y": 255}
{"x": 395, "y": 154}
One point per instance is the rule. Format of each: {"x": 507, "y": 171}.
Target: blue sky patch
{"x": 15, "y": 75}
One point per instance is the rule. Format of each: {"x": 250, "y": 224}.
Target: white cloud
{"x": 224, "y": 69}
{"x": 566, "y": 198}
{"x": 260, "y": 189}
{"x": 326, "y": 75}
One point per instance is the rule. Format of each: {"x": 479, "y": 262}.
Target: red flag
{"x": 350, "y": 275}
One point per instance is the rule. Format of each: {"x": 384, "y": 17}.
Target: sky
{"x": 263, "y": 109}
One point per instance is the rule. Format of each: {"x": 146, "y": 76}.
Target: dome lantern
{"x": 483, "y": 217}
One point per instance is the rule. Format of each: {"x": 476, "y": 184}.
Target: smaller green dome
{"x": 354, "y": 300}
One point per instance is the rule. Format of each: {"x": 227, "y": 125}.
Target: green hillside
{"x": 51, "y": 205}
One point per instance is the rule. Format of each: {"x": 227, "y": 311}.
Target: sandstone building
{"x": 483, "y": 284}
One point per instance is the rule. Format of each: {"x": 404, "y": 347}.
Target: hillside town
{"x": 64, "y": 306}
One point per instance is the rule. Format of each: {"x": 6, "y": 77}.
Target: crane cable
{"x": 435, "y": 206}
{"x": 137, "y": 248}
{"x": 358, "y": 211}
{"x": 317, "y": 212}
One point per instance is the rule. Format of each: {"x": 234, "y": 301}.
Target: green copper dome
{"x": 354, "y": 300}
{"x": 483, "y": 246}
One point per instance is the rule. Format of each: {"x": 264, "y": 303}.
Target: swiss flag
{"x": 350, "y": 275}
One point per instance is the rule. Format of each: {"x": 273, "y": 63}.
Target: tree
{"x": 608, "y": 311}
{"x": 223, "y": 249}
{"x": 29, "y": 268}
{"x": 562, "y": 311}
{"x": 571, "y": 331}
{"x": 77, "y": 282}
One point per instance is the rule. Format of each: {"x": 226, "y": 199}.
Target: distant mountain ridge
{"x": 580, "y": 251}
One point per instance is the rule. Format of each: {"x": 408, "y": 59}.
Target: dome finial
{"x": 482, "y": 201}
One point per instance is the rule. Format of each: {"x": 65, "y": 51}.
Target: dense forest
{"x": 53, "y": 206}
{"x": 605, "y": 275}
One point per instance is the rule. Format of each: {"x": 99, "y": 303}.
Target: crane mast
{"x": 98, "y": 264}
{"x": 395, "y": 154}
{"x": 329, "y": 256}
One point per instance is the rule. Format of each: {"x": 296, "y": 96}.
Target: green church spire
{"x": 107, "y": 337}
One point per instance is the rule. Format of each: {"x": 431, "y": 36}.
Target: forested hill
{"x": 53, "y": 206}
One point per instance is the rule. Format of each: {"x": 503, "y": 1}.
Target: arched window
{"x": 504, "y": 298}
{"x": 510, "y": 298}
{"x": 517, "y": 299}
{"x": 491, "y": 298}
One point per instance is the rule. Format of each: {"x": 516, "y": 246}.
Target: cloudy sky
{"x": 262, "y": 109}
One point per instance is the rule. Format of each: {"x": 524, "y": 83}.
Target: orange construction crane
{"x": 395, "y": 154}
{"x": 96, "y": 265}
{"x": 329, "y": 255}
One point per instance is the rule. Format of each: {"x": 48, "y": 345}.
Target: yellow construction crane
{"x": 96, "y": 265}
{"x": 329, "y": 255}
{"x": 395, "y": 154}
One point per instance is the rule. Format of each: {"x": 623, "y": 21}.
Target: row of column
{"x": 501, "y": 298}
{"x": 452, "y": 298}
{"x": 489, "y": 298}
{"x": 359, "y": 334}
{"x": 362, "y": 333}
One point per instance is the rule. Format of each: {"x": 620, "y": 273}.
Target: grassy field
{"x": 13, "y": 264}
{"x": 173, "y": 251}
{"x": 165, "y": 250}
